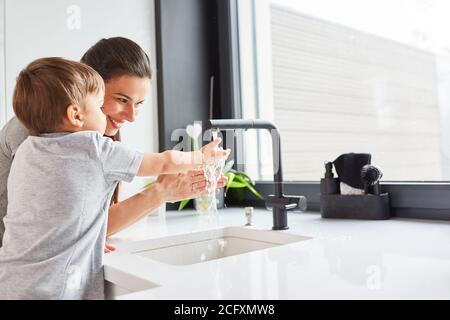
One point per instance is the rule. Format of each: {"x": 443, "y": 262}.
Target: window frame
{"x": 408, "y": 199}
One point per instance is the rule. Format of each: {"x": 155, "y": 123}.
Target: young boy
{"x": 54, "y": 236}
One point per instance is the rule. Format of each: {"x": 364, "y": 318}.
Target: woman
{"x": 125, "y": 68}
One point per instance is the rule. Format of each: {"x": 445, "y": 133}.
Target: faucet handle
{"x": 288, "y": 203}
{"x": 249, "y": 215}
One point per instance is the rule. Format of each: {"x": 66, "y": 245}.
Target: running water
{"x": 208, "y": 203}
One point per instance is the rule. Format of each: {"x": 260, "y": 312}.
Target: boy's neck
{"x": 66, "y": 126}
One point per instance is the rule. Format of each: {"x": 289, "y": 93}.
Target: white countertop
{"x": 345, "y": 259}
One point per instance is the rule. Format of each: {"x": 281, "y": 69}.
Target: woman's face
{"x": 124, "y": 95}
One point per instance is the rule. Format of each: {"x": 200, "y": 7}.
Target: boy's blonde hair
{"x": 47, "y": 86}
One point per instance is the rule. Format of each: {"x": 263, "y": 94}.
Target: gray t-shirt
{"x": 11, "y": 137}
{"x": 59, "y": 190}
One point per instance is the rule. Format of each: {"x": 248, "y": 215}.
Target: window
{"x": 347, "y": 76}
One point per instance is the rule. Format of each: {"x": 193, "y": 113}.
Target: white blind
{"x": 339, "y": 90}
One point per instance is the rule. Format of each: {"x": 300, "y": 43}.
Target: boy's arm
{"x": 168, "y": 162}
{"x": 154, "y": 164}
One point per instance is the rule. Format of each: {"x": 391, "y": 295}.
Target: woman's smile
{"x": 117, "y": 124}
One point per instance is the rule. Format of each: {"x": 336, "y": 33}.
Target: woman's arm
{"x": 168, "y": 188}
{"x": 11, "y": 137}
{"x": 125, "y": 213}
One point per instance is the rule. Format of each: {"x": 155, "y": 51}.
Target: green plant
{"x": 236, "y": 180}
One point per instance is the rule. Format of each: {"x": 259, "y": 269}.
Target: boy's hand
{"x": 171, "y": 162}
{"x": 212, "y": 152}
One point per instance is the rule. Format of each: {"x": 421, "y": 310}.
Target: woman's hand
{"x": 177, "y": 187}
{"x": 222, "y": 183}
{"x": 109, "y": 249}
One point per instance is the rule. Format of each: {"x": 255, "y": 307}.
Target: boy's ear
{"x": 75, "y": 116}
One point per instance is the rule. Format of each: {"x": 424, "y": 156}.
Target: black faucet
{"x": 279, "y": 203}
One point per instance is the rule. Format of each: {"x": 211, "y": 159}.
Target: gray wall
{"x": 67, "y": 28}
{"x": 185, "y": 59}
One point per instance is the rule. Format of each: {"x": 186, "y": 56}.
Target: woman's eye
{"x": 121, "y": 100}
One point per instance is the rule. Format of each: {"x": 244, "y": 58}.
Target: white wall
{"x": 2, "y": 64}
{"x": 67, "y": 28}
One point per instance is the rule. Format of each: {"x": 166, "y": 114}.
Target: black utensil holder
{"x": 362, "y": 207}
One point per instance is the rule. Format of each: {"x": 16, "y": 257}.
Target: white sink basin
{"x": 192, "y": 248}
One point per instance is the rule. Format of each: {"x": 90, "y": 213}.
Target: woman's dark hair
{"x": 115, "y": 57}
